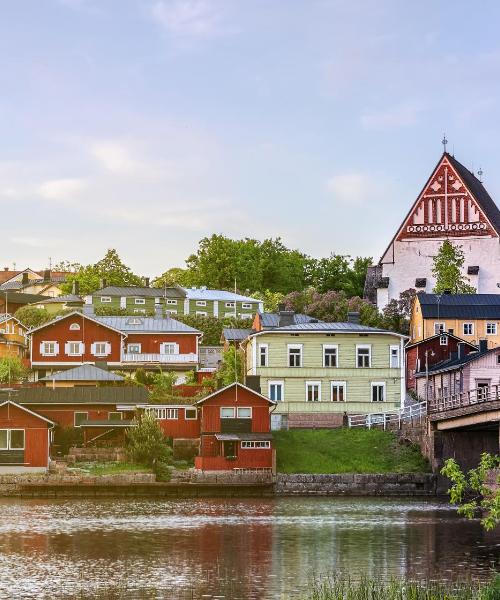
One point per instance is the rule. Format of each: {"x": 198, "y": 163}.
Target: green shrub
{"x": 67, "y": 437}
{"x": 162, "y": 471}
{"x": 146, "y": 443}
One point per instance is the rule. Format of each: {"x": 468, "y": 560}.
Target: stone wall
{"x": 92, "y": 454}
{"x": 348, "y": 484}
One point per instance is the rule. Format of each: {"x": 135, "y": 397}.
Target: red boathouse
{"x": 235, "y": 430}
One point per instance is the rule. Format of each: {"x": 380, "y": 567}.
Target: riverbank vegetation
{"x": 346, "y": 451}
{"x": 338, "y": 588}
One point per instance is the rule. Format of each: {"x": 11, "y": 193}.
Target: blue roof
{"x": 460, "y": 306}
{"x": 146, "y": 324}
{"x": 205, "y": 294}
{"x": 84, "y": 373}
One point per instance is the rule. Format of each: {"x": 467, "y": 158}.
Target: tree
{"x": 66, "y": 266}
{"x": 231, "y": 368}
{"x": 271, "y": 299}
{"x": 484, "y": 497}
{"x": 11, "y": 369}
{"x": 110, "y": 267}
{"x": 145, "y": 441}
{"x": 33, "y": 316}
{"x": 397, "y": 312}
{"x": 339, "y": 273}
{"x": 447, "y": 270}
{"x": 163, "y": 387}
{"x": 174, "y": 276}
{"x": 212, "y": 327}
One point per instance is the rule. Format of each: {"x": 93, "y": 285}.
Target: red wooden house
{"x": 24, "y": 439}
{"x": 427, "y": 353}
{"x": 235, "y": 430}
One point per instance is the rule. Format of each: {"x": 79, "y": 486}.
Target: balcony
{"x": 162, "y": 359}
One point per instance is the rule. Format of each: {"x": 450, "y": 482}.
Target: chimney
{"x": 286, "y": 318}
{"x": 483, "y": 345}
{"x": 46, "y": 275}
{"x": 461, "y": 350}
{"x": 6, "y": 268}
{"x": 25, "y": 279}
{"x": 146, "y": 281}
{"x": 353, "y": 317}
{"x": 281, "y": 307}
{"x": 76, "y": 288}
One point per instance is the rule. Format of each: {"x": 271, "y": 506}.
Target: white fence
{"x": 413, "y": 411}
{"x": 160, "y": 358}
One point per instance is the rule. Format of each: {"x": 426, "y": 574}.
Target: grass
{"x": 338, "y": 588}
{"x": 345, "y": 451}
{"x": 112, "y": 468}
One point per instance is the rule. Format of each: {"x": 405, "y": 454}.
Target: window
{"x": 172, "y": 413}
{"x": 245, "y": 316}
{"x": 140, "y": 311}
{"x": 134, "y": 348}
{"x": 443, "y": 340}
{"x": 134, "y": 321}
{"x": 11, "y": 439}
{"x": 74, "y": 348}
{"x": 363, "y": 356}
{"x": 263, "y": 355}
{"x": 338, "y": 389}
{"x": 227, "y": 412}
{"x": 246, "y": 305}
{"x": 394, "y": 360}
{"x": 498, "y": 359}
{"x": 190, "y": 414}
{"x": 200, "y": 313}
{"x": 49, "y": 348}
{"x": 468, "y": 329}
{"x": 313, "y": 391}
{"x": 79, "y": 417}
{"x": 378, "y": 391}
{"x": 169, "y": 348}
{"x": 114, "y": 416}
{"x": 294, "y": 355}
{"x": 170, "y": 301}
{"x": 255, "y": 445}
{"x": 230, "y": 304}
{"x": 201, "y": 302}
{"x": 101, "y": 348}
{"x": 330, "y": 356}
{"x": 165, "y": 413}
{"x": 439, "y": 328}
{"x": 276, "y": 391}
{"x": 170, "y": 311}
{"x": 74, "y": 327}
{"x": 244, "y": 412}
{"x": 491, "y": 328}
{"x": 140, "y": 301}
{"x": 105, "y": 299}
{"x": 228, "y": 314}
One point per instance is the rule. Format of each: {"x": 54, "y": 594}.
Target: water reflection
{"x": 228, "y": 548}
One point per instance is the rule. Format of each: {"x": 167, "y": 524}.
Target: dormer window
{"x": 74, "y": 327}
{"x": 134, "y": 321}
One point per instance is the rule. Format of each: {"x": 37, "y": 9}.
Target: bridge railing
{"x": 408, "y": 413}
{"x": 473, "y": 397}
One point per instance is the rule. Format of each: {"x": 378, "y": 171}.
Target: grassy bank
{"x": 337, "y": 588}
{"x": 110, "y": 468}
{"x": 345, "y": 451}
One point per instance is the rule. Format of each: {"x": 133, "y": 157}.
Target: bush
{"x": 67, "y": 437}
{"x": 162, "y": 471}
{"x": 118, "y": 311}
{"x": 146, "y": 443}
{"x": 11, "y": 369}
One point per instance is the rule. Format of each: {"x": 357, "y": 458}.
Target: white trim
{"x": 74, "y": 327}
{"x": 294, "y": 347}
{"x": 494, "y": 326}
{"x": 134, "y": 344}
{"x": 441, "y": 331}
{"x": 364, "y": 347}
{"x": 186, "y": 418}
{"x": 201, "y": 313}
{"x": 79, "y": 314}
{"x": 251, "y": 444}
{"x": 342, "y": 384}
{"x": 266, "y": 355}
{"x": 201, "y": 303}
{"x": 80, "y": 412}
{"x": 105, "y": 299}
{"x": 378, "y": 384}
{"x": 313, "y": 383}
{"x": 140, "y": 301}
{"x": 240, "y": 385}
{"x": 391, "y": 349}
{"x": 471, "y": 323}
{"x": 238, "y": 408}
{"x": 276, "y": 382}
{"x": 231, "y": 408}
{"x": 331, "y": 347}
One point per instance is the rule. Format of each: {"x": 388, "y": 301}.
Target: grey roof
{"x": 248, "y": 437}
{"x": 333, "y": 327}
{"x": 11, "y": 285}
{"x": 269, "y": 320}
{"x": 84, "y": 373}
{"x": 65, "y": 298}
{"x": 140, "y": 292}
{"x": 223, "y": 295}
{"x": 236, "y": 335}
{"x": 440, "y": 335}
{"x": 456, "y": 363}
{"x": 111, "y": 423}
{"x": 146, "y": 324}
{"x": 20, "y": 298}
{"x": 460, "y": 306}
{"x": 127, "y": 394}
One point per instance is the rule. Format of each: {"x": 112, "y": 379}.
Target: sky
{"x": 146, "y": 125}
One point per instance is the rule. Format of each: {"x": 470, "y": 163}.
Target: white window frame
{"x": 201, "y": 302}
{"x": 81, "y": 348}
{"x": 331, "y": 347}
{"x": 139, "y": 301}
{"x": 264, "y": 347}
{"x": 246, "y": 305}
{"x": 195, "y": 413}
{"x": 493, "y": 327}
{"x": 9, "y": 438}
{"x": 140, "y": 311}
{"x": 105, "y": 299}
{"x": 229, "y": 314}
{"x": 255, "y": 445}
{"x": 170, "y": 344}
{"x": 471, "y": 324}
{"x": 172, "y": 414}
{"x": 201, "y": 313}
{"x": 231, "y": 408}
{"x": 243, "y": 408}
{"x": 44, "y": 352}
{"x": 171, "y": 311}
{"x": 134, "y": 344}
{"x": 342, "y": 384}
{"x": 245, "y": 316}
{"x": 398, "y": 357}
{"x": 74, "y": 327}
{"x": 442, "y": 327}
{"x": 276, "y": 382}
{"x": 107, "y": 348}
{"x": 6, "y": 439}
{"x": 443, "y": 340}
{"x": 171, "y": 301}
{"x": 315, "y": 384}
{"x": 364, "y": 347}
{"x": 80, "y": 412}
{"x": 230, "y": 305}
{"x": 295, "y": 347}
{"x": 382, "y": 384}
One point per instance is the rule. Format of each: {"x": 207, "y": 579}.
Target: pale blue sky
{"x": 147, "y": 124}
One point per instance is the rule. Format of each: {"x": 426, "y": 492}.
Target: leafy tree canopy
{"x": 11, "y": 369}
{"x": 396, "y": 313}
{"x": 231, "y": 368}
{"x": 212, "y": 327}
{"x": 447, "y": 269}
{"x": 174, "y": 276}
{"x": 146, "y": 443}
{"x": 32, "y": 316}
{"x": 110, "y": 267}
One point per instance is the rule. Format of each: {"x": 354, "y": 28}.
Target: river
{"x": 229, "y": 549}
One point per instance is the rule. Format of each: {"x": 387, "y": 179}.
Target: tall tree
{"x": 447, "y": 269}
{"x": 174, "y": 276}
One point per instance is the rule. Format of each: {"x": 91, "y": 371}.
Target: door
{"x": 229, "y": 449}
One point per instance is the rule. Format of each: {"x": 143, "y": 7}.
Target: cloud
{"x": 61, "y": 189}
{"x": 403, "y": 115}
{"x": 188, "y": 18}
{"x": 350, "y": 188}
